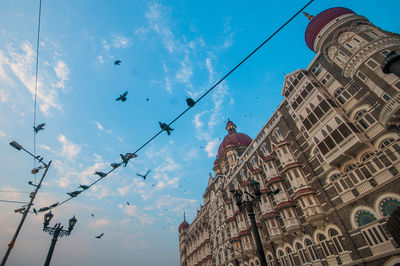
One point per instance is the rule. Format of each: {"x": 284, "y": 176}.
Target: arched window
{"x": 342, "y": 95}
{"x": 311, "y": 249}
{"x": 282, "y": 258}
{"x": 290, "y": 254}
{"x": 364, "y": 119}
{"x": 302, "y": 253}
{"x": 339, "y": 183}
{"x": 386, "y": 143}
{"x": 334, "y": 235}
{"x": 324, "y": 244}
{"x": 388, "y": 205}
{"x": 364, "y": 217}
{"x": 354, "y": 173}
{"x": 270, "y": 259}
{"x": 374, "y": 234}
{"x": 317, "y": 155}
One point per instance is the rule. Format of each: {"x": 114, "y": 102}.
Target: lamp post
{"x": 248, "y": 206}
{"x": 56, "y": 231}
{"x": 32, "y": 195}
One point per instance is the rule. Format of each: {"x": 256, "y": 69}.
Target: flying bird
{"x": 122, "y": 97}
{"x": 145, "y": 175}
{"x": 117, "y": 62}
{"x": 92, "y": 214}
{"x": 127, "y": 203}
{"x": 147, "y": 99}
{"x": 53, "y": 205}
{"x": 190, "y": 102}
{"x": 101, "y": 174}
{"x": 39, "y": 127}
{"x": 73, "y": 194}
{"x": 166, "y": 128}
{"x": 99, "y": 236}
{"x": 84, "y": 187}
{"x": 115, "y": 165}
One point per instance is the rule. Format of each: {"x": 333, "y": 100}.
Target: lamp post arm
{"x": 11, "y": 245}
{"x": 36, "y": 158}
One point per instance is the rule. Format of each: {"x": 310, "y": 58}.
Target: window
{"x": 357, "y": 40}
{"x": 361, "y": 75}
{"x": 282, "y": 258}
{"x": 364, "y": 119}
{"x": 334, "y": 235}
{"x": 316, "y": 70}
{"x": 302, "y": 254}
{"x": 311, "y": 249}
{"x": 324, "y": 244}
{"x": 372, "y": 64}
{"x": 386, "y": 97}
{"x": 290, "y": 254}
{"x": 349, "y": 45}
{"x": 342, "y": 95}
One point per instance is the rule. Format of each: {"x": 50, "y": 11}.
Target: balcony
{"x": 345, "y": 149}
{"x": 383, "y": 176}
{"x": 390, "y": 110}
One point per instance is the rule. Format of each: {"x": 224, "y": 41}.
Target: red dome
{"x": 320, "y": 21}
{"x": 233, "y": 139}
{"x": 184, "y": 225}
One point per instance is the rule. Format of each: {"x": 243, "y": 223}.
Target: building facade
{"x": 332, "y": 148}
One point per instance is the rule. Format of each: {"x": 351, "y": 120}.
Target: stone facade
{"x": 331, "y": 148}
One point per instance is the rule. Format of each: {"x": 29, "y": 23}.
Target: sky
{"x": 169, "y": 50}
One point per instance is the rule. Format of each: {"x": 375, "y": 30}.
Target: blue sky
{"x": 169, "y": 50}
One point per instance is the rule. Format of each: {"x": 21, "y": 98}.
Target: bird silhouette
{"x": 166, "y": 127}
{"x": 39, "y": 127}
{"x": 53, "y": 205}
{"x": 99, "y": 236}
{"x": 117, "y": 62}
{"x": 34, "y": 211}
{"x": 122, "y": 97}
{"x": 147, "y": 99}
{"x": 115, "y": 165}
{"x": 101, "y": 174}
{"x": 43, "y": 209}
{"x": 127, "y": 203}
{"x": 92, "y": 214}
{"x": 276, "y": 191}
{"x": 145, "y": 175}
{"x": 73, "y": 194}
{"x": 125, "y": 158}
{"x": 84, "y": 187}
{"x": 190, "y": 102}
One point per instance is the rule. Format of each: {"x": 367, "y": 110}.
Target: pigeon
{"x": 34, "y": 211}
{"x": 101, "y": 174}
{"x": 117, "y": 62}
{"x": 145, "y": 175}
{"x": 84, "y": 187}
{"x": 99, "y": 236}
{"x": 92, "y": 214}
{"x": 166, "y": 128}
{"x": 53, "y": 205}
{"x": 127, "y": 203}
{"x": 43, "y": 209}
{"x": 122, "y": 97}
{"x": 125, "y": 158}
{"x": 152, "y": 185}
{"x": 190, "y": 102}
{"x": 73, "y": 194}
{"x": 115, "y": 165}
{"x": 39, "y": 158}
{"x": 39, "y": 127}
{"x": 147, "y": 99}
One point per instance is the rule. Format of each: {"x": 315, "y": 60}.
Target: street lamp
{"x": 248, "y": 205}
{"x": 391, "y": 64}
{"x": 32, "y": 195}
{"x": 56, "y": 231}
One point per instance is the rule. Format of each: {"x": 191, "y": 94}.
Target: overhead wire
{"x": 12, "y": 201}
{"x": 204, "y": 94}
{"x": 36, "y": 83}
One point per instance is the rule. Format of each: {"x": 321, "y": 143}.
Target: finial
{"x": 310, "y": 17}
{"x": 184, "y": 216}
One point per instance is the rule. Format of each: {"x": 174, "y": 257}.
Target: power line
{"x": 11, "y": 191}
{"x": 12, "y": 201}
{"x": 208, "y": 91}
{"x": 36, "y": 83}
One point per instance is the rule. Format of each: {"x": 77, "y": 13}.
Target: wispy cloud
{"x": 211, "y": 148}
{"x": 2, "y": 133}
{"x": 101, "y": 223}
{"x": 69, "y": 149}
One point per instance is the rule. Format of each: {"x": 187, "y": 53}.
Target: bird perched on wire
{"x": 166, "y": 128}
{"x": 127, "y": 203}
{"x": 145, "y": 175}
{"x": 125, "y": 158}
{"x": 73, "y": 194}
{"x": 39, "y": 127}
{"x": 84, "y": 187}
{"x": 101, "y": 174}
{"x": 115, "y": 165}
{"x": 34, "y": 211}
{"x": 122, "y": 97}
{"x": 190, "y": 102}
{"x": 99, "y": 236}
{"x": 53, "y": 205}
{"x": 117, "y": 62}
{"x": 43, "y": 209}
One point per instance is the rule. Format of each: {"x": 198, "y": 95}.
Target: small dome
{"x": 232, "y": 139}
{"x": 320, "y": 21}
{"x": 183, "y": 226}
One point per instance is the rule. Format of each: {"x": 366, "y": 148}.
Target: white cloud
{"x": 100, "y": 58}
{"x": 101, "y": 223}
{"x": 62, "y": 73}
{"x": 120, "y": 41}
{"x": 185, "y": 73}
{"x": 134, "y": 211}
{"x": 69, "y": 150}
{"x": 3, "y": 96}
{"x": 176, "y": 204}
{"x": 211, "y": 148}
{"x": 2, "y": 133}
{"x": 44, "y": 147}
{"x": 168, "y": 86}
{"x": 99, "y": 126}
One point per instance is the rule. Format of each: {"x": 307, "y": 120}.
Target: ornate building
{"x": 331, "y": 148}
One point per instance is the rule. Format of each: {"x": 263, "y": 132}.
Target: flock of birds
{"x": 125, "y": 158}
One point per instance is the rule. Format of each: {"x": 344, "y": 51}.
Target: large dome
{"x": 233, "y": 139}
{"x": 320, "y": 21}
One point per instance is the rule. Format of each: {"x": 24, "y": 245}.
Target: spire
{"x": 230, "y": 127}
{"x": 184, "y": 216}
{"x": 310, "y": 17}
